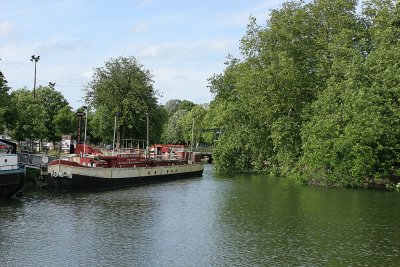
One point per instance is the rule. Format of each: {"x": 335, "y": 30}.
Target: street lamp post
{"x": 34, "y": 59}
{"x": 51, "y": 85}
{"x": 115, "y": 128}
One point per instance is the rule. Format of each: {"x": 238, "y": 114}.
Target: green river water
{"x": 215, "y": 220}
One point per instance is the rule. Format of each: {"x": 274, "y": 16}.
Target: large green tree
{"x": 37, "y": 118}
{"x": 174, "y": 105}
{"x": 173, "y": 131}
{"x": 51, "y": 102}
{"x": 124, "y": 87}
{"x": 352, "y": 137}
{"x": 65, "y": 122}
{"x": 28, "y": 116}
{"x": 4, "y": 102}
{"x": 315, "y": 93}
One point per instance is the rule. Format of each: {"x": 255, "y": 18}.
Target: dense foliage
{"x": 316, "y": 95}
{"x": 38, "y": 118}
{"x": 185, "y": 124}
{"x": 4, "y": 101}
{"x": 123, "y": 88}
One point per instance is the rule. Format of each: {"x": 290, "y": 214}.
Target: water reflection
{"x": 274, "y": 223}
{"x": 246, "y": 220}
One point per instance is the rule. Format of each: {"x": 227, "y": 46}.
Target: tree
{"x": 51, "y": 102}
{"x": 352, "y": 136}
{"x": 265, "y": 99}
{"x": 178, "y": 123}
{"x": 174, "y": 105}
{"x": 4, "y": 102}
{"x": 196, "y": 115}
{"x": 29, "y": 116}
{"x": 173, "y": 132}
{"x": 65, "y": 121}
{"x": 124, "y": 86}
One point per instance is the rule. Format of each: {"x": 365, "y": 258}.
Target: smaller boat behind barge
{"x": 89, "y": 169}
{"x": 12, "y": 174}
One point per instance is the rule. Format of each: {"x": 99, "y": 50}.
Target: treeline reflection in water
{"x": 215, "y": 220}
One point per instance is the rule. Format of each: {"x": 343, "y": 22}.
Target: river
{"x": 215, "y": 220}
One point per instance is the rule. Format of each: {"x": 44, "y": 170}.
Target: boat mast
{"x": 147, "y": 140}
{"x": 84, "y": 142}
{"x": 115, "y": 127}
{"x": 191, "y": 144}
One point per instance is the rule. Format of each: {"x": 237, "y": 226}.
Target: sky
{"x": 182, "y": 43}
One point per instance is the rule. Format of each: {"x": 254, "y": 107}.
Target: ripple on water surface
{"x": 244, "y": 220}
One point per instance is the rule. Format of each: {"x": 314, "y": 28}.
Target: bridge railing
{"x": 207, "y": 149}
{"x": 34, "y": 160}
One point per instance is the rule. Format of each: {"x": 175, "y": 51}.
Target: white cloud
{"x": 184, "y": 50}
{"x": 184, "y": 84}
{"x": 150, "y": 51}
{"x": 6, "y": 28}
{"x": 145, "y": 3}
{"x": 88, "y": 74}
{"x": 240, "y": 19}
{"x": 181, "y": 43}
{"x": 56, "y": 45}
{"x": 140, "y": 27}
{"x": 217, "y": 45}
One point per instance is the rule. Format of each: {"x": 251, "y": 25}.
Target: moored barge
{"x": 89, "y": 169}
{"x": 12, "y": 174}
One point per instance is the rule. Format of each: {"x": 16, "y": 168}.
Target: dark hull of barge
{"x": 80, "y": 182}
{"x": 11, "y": 182}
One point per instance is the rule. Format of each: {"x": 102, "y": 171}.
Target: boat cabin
{"x": 161, "y": 151}
{"x": 8, "y": 162}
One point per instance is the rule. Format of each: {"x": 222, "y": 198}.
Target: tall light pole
{"x": 34, "y": 59}
{"x": 84, "y": 142}
{"x": 115, "y": 128}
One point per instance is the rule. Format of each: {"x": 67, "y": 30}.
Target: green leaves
{"x": 316, "y": 94}
{"x": 51, "y": 102}
{"x": 124, "y": 86}
{"x": 352, "y": 136}
{"x": 178, "y": 127}
{"x": 65, "y": 121}
{"x": 29, "y": 118}
{"x": 4, "y": 101}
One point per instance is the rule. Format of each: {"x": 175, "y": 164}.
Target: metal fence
{"x": 34, "y": 160}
